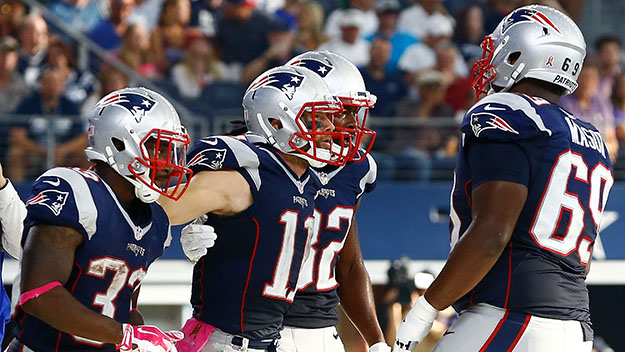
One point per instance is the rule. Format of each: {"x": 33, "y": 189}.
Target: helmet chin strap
{"x": 312, "y": 162}
{"x": 143, "y": 191}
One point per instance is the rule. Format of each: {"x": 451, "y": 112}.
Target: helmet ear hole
{"x": 118, "y": 144}
{"x": 513, "y": 57}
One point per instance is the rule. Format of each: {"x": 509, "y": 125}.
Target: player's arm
{"x": 355, "y": 289}
{"x": 136, "y": 318}
{"x": 224, "y": 192}
{"x": 495, "y": 210}
{"x": 48, "y": 258}
{"x": 12, "y": 214}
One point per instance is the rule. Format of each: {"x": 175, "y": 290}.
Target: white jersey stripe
{"x": 515, "y": 102}
{"x": 246, "y": 158}
{"x": 87, "y": 211}
{"x": 370, "y": 176}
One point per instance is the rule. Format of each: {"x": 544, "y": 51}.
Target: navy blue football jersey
{"x": 342, "y": 188}
{"x": 565, "y": 165}
{"x": 109, "y": 266}
{"x": 246, "y": 282}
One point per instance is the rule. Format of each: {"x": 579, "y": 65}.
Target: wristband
{"x": 36, "y": 292}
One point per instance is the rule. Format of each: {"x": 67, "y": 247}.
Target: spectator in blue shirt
{"x": 388, "y": 12}
{"x": 108, "y": 32}
{"x": 28, "y": 139}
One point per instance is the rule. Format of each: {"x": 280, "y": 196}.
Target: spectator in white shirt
{"x": 350, "y": 44}
{"x": 422, "y": 17}
{"x": 368, "y": 26}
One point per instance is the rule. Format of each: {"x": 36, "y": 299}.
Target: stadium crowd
{"x": 416, "y": 57}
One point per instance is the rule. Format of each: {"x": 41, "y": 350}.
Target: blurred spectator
{"x": 108, "y": 32}
{"x": 432, "y": 85}
{"x": 198, "y": 68}
{"x": 586, "y": 105}
{"x": 497, "y": 10}
{"x": 110, "y": 80}
{"x": 369, "y": 22}
{"x": 618, "y": 102}
{"x": 388, "y": 12}
{"x": 389, "y": 87}
{"x": 169, "y": 37}
{"x": 309, "y": 35}
{"x": 29, "y": 138}
{"x": 469, "y": 33}
{"x": 33, "y": 48}
{"x": 82, "y": 15}
{"x": 203, "y": 15}
{"x": 146, "y": 12}
{"x": 289, "y": 12}
{"x": 281, "y": 50}
{"x": 241, "y": 34}
{"x": 78, "y": 83}
{"x": 135, "y": 51}
{"x": 403, "y": 290}
{"x": 423, "y": 17}
{"x": 12, "y": 85}
{"x": 422, "y": 56}
{"x": 460, "y": 94}
{"x": 350, "y": 44}
{"x": 608, "y": 49}
{"x": 12, "y": 14}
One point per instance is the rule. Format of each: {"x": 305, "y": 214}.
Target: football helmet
{"x": 345, "y": 83}
{"x": 138, "y": 133}
{"x": 531, "y": 42}
{"x": 295, "y": 96}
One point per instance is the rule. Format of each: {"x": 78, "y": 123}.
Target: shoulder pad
{"x": 504, "y": 116}
{"x": 369, "y": 181}
{"x": 222, "y": 152}
{"x": 61, "y": 196}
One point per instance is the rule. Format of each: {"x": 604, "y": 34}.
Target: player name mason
{"x": 585, "y": 137}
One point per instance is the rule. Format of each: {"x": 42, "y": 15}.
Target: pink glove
{"x": 148, "y": 338}
{"x": 196, "y": 335}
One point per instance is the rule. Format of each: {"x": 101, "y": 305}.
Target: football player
{"x": 531, "y": 184}
{"x": 90, "y": 236}
{"x": 258, "y": 193}
{"x": 12, "y": 213}
{"x": 334, "y": 269}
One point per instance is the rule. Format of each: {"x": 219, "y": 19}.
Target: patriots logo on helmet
{"x": 485, "y": 121}
{"x": 527, "y": 15}
{"x": 212, "y": 158}
{"x": 50, "y": 198}
{"x": 286, "y": 82}
{"x": 135, "y": 103}
{"x": 317, "y": 66}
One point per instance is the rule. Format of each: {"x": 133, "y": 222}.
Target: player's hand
{"x": 196, "y": 239}
{"x": 416, "y": 325}
{"x": 380, "y": 347}
{"x": 148, "y": 338}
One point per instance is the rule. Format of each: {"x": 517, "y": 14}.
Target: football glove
{"x": 196, "y": 238}
{"x": 380, "y": 347}
{"x": 148, "y": 338}
{"x": 416, "y": 325}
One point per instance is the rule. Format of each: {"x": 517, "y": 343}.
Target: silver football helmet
{"x": 138, "y": 133}
{"x": 295, "y": 96}
{"x": 531, "y": 42}
{"x": 346, "y": 83}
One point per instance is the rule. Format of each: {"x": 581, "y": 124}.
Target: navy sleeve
{"x": 498, "y": 161}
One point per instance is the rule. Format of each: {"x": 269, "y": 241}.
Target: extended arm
{"x": 355, "y": 289}
{"x": 49, "y": 257}
{"x": 12, "y": 214}
{"x": 495, "y": 211}
{"x": 219, "y": 192}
